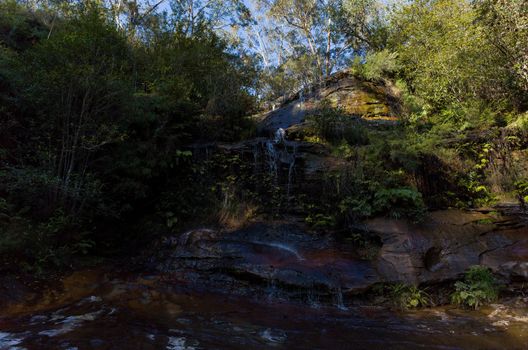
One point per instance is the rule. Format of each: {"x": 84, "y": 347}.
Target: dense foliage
{"x": 94, "y": 120}
{"x": 108, "y": 110}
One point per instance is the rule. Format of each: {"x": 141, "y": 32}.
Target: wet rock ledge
{"x": 288, "y": 259}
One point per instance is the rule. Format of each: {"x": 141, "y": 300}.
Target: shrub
{"x": 377, "y": 65}
{"x": 409, "y": 296}
{"x": 478, "y": 287}
{"x": 38, "y": 246}
{"x": 521, "y": 123}
{"x": 334, "y": 126}
{"x": 320, "y": 220}
{"x": 367, "y": 186}
{"x": 521, "y": 191}
{"x": 400, "y": 202}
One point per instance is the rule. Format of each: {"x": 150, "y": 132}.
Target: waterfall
{"x": 281, "y": 151}
{"x": 272, "y": 290}
{"x": 338, "y": 299}
{"x": 313, "y": 298}
{"x": 272, "y": 158}
{"x": 291, "y": 168}
{"x": 280, "y": 135}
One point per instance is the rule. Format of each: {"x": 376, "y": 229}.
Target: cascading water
{"x": 273, "y": 159}
{"x": 313, "y": 298}
{"x": 281, "y": 151}
{"x": 338, "y": 299}
{"x": 272, "y": 290}
{"x": 291, "y": 168}
{"x": 280, "y": 135}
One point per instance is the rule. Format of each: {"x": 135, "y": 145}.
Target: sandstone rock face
{"x": 508, "y": 253}
{"x": 375, "y": 102}
{"x": 286, "y": 258}
{"x": 361, "y": 98}
{"x": 447, "y": 243}
{"x": 266, "y": 258}
{"x": 303, "y": 164}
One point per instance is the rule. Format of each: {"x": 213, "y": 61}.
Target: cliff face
{"x": 376, "y": 102}
{"x": 302, "y": 265}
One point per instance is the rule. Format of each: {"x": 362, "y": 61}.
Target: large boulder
{"x": 376, "y": 102}
{"x": 447, "y": 243}
{"x": 507, "y": 253}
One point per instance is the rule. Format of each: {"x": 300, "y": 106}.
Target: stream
{"x": 97, "y": 309}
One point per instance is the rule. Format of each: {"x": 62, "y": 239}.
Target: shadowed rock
{"x": 298, "y": 263}
{"x": 284, "y": 255}
{"x": 447, "y": 243}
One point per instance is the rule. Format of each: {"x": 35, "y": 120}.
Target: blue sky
{"x": 249, "y": 3}
{"x": 244, "y": 35}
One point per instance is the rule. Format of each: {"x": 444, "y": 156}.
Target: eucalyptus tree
{"x": 506, "y": 22}
{"x": 309, "y": 27}
{"x": 363, "y": 23}
{"x": 219, "y": 15}
{"x": 305, "y": 41}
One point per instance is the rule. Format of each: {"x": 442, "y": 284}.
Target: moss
{"x": 364, "y": 104}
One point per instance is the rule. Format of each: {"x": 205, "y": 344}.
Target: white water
{"x": 280, "y": 135}
{"x": 69, "y": 323}
{"x": 272, "y": 158}
{"x": 338, "y": 299}
{"x": 276, "y": 155}
{"x": 272, "y": 290}
{"x": 313, "y": 298}
{"x": 273, "y": 336}
{"x": 291, "y": 168}
{"x": 178, "y": 343}
{"x": 9, "y": 341}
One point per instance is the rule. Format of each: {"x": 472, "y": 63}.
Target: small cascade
{"x": 202, "y": 151}
{"x": 338, "y": 299}
{"x": 186, "y": 237}
{"x": 291, "y": 169}
{"x": 272, "y": 159}
{"x": 313, "y": 298}
{"x": 280, "y": 151}
{"x": 273, "y": 336}
{"x": 272, "y": 290}
{"x": 280, "y": 136}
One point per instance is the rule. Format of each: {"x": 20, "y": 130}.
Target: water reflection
{"x": 96, "y": 311}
